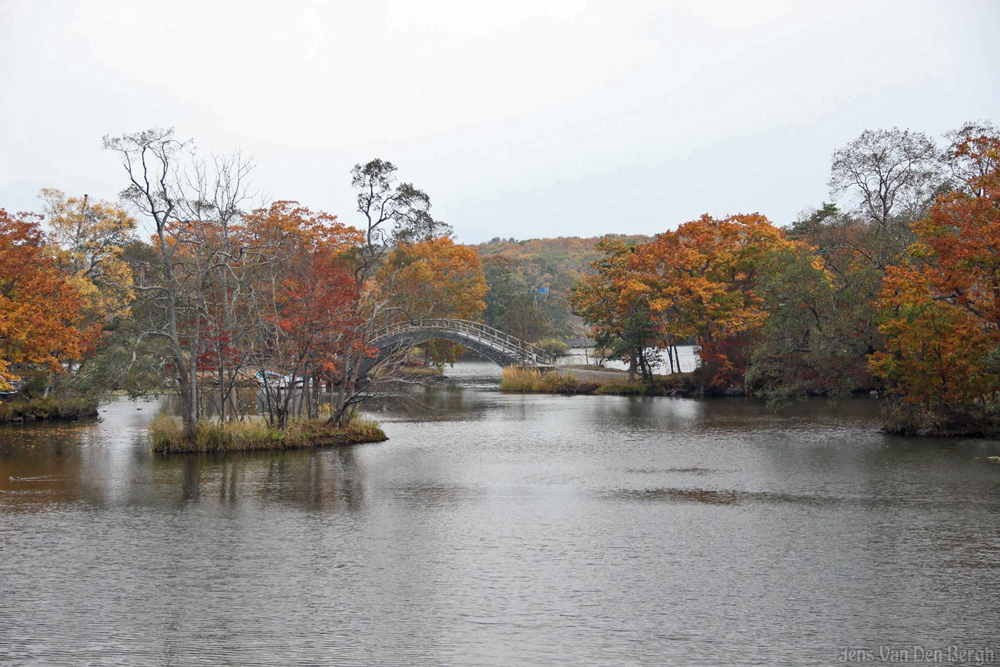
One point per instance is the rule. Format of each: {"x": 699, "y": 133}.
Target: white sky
{"x": 519, "y": 118}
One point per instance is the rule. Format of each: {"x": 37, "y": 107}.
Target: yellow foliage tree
{"x": 88, "y": 240}
{"x": 430, "y": 279}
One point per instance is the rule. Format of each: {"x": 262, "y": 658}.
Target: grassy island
{"x": 257, "y": 435}
{"x": 592, "y": 380}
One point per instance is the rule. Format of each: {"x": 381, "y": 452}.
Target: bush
{"x": 67, "y": 409}
{"x": 908, "y": 418}
{"x": 557, "y": 383}
{"x": 165, "y": 432}
{"x": 554, "y": 346}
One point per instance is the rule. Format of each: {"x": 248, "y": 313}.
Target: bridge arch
{"x": 497, "y": 346}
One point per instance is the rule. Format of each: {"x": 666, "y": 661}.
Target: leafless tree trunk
{"x": 191, "y": 212}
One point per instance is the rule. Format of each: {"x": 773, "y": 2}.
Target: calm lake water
{"x": 496, "y": 529}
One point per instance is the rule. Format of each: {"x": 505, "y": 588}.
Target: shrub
{"x": 911, "y": 418}
{"x": 557, "y": 383}
{"x": 48, "y": 408}
{"x": 554, "y": 346}
{"x": 166, "y": 432}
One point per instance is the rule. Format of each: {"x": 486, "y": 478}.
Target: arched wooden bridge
{"x": 495, "y": 345}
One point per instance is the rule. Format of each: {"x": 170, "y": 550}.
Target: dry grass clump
{"x": 519, "y": 379}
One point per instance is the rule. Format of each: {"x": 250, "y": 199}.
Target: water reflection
{"x": 500, "y": 529}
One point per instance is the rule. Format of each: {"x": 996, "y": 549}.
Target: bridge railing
{"x": 510, "y": 344}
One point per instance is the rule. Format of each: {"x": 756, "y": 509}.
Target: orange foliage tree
{"x": 89, "y": 238}
{"x": 615, "y": 301}
{"x": 305, "y": 299}
{"x": 941, "y": 309}
{"x": 430, "y": 279}
{"x": 41, "y": 312}
{"x": 702, "y": 280}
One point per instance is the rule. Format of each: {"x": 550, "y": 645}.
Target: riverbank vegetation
{"x": 519, "y": 379}
{"x": 62, "y": 408}
{"x": 900, "y": 293}
{"x": 895, "y": 290}
{"x": 592, "y": 380}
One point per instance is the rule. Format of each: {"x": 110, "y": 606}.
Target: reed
{"x": 518, "y": 379}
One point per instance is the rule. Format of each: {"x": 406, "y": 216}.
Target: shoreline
{"x": 588, "y": 380}
{"x": 48, "y": 409}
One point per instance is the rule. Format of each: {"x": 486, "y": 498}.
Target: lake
{"x": 499, "y": 529}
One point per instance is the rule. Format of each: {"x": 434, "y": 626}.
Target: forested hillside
{"x": 530, "y": 283}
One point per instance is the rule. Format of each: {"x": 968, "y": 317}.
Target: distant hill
{"x": 530, "y": 283}
{"x": 560, "y": 261}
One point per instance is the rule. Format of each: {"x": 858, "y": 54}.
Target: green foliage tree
{"x": 616, "y": 304}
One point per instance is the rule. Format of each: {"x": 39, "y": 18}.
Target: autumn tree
{"x": 615, "y": 302}
{"x": 192, "y": 208}
{"x": 41, "y": 309}
{"x": 393, "y": 213}
{"x": 941, "y": 309}
{"x": 297, "y": 281}
{"x": 969, "y": 167}
{"x": 703, "y": 283}
{"x": 89, "y": 238}
{"x": 893, "y": 176}
{"x": 433, "y": 279}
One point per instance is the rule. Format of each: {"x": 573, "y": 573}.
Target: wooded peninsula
{"x": 893, "y": 290}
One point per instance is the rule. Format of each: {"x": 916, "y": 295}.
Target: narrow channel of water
{"x": 496, "y": 529}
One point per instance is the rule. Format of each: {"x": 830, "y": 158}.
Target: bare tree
{"x": 966, "y": 166}
{"x": 191, "y": 210}
{"x": 894, "y": 175}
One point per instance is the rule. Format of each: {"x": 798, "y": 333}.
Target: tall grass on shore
{"x": 168, "y": 436}
{"x": 520, "y": 379}
{"x": 523, "y": 380}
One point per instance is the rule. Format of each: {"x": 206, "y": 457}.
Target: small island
{"x": 257, "y": 435}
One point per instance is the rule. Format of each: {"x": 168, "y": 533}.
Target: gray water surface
{"x": 496, "y": 529}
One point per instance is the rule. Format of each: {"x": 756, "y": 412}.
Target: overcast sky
{"x": 521, "y": 119}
